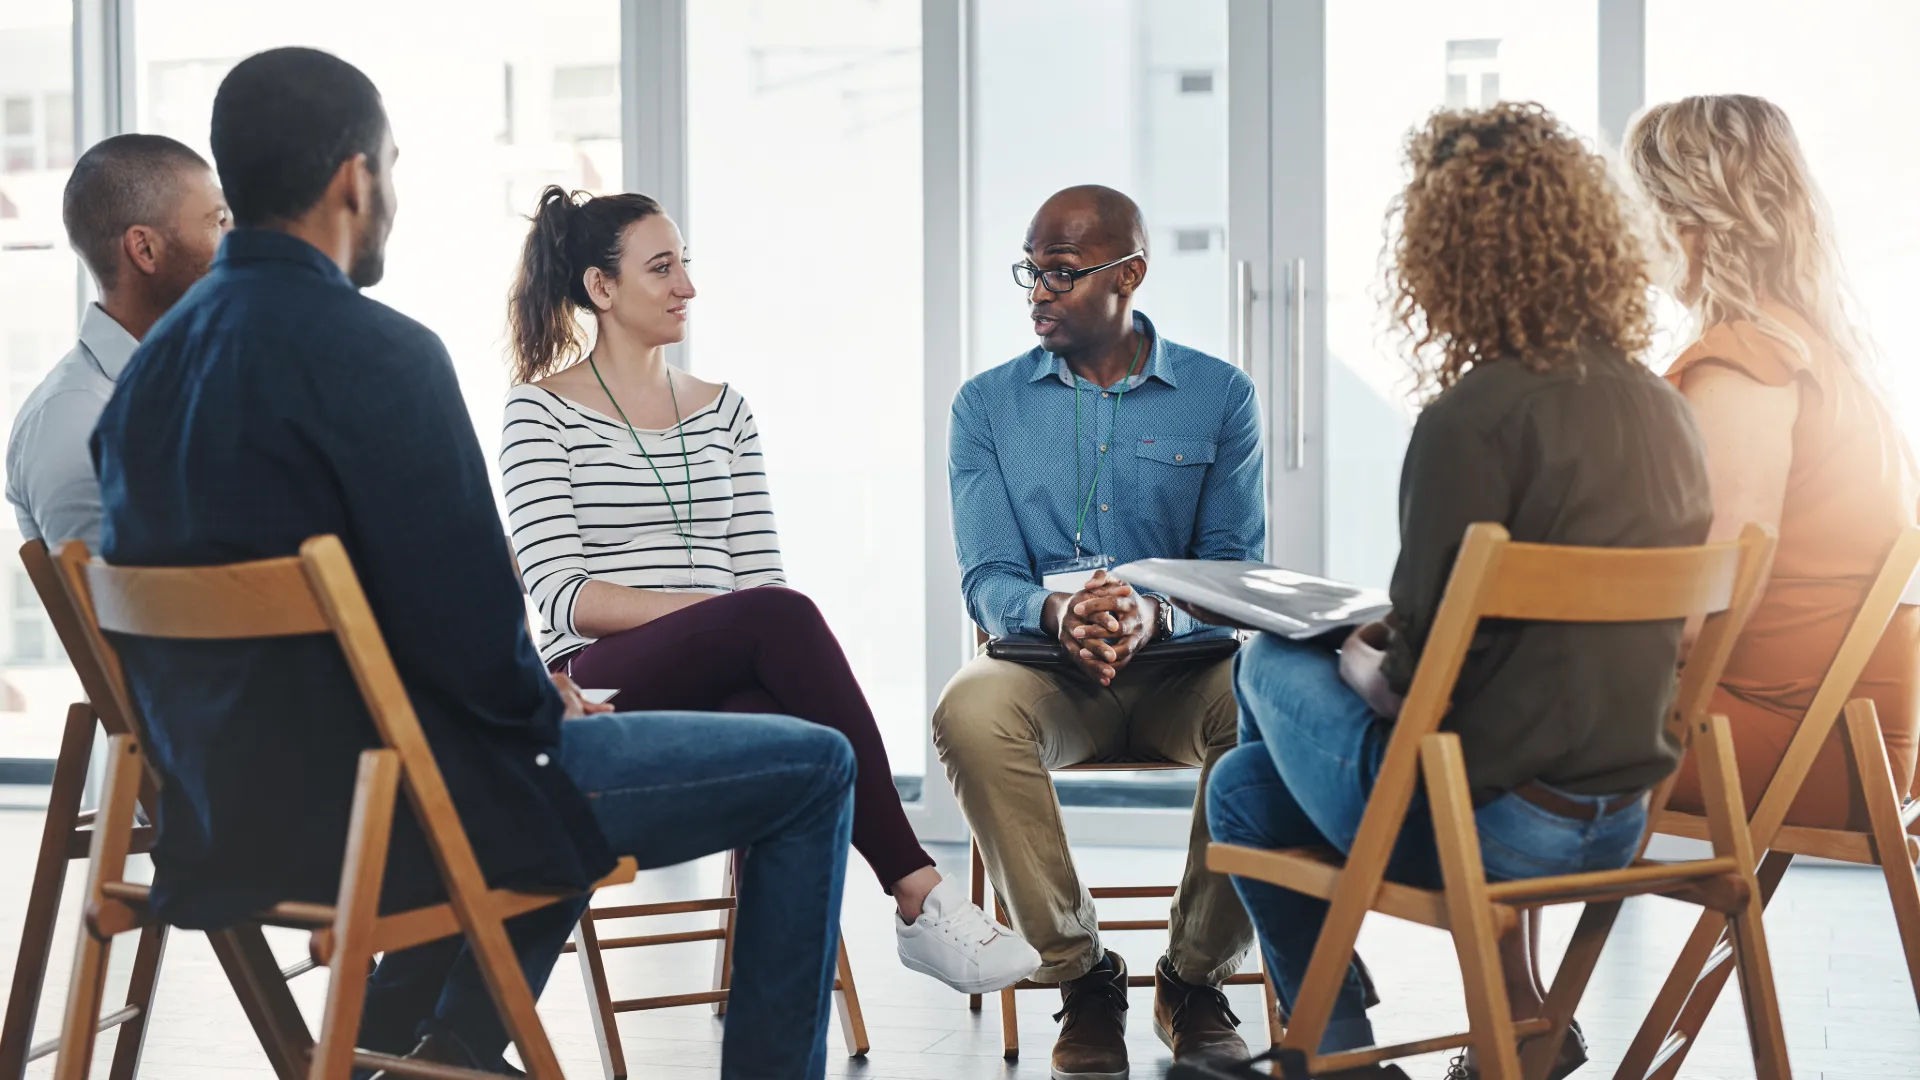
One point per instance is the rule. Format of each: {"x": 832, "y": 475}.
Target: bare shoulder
{"x": 1727, "y": 397}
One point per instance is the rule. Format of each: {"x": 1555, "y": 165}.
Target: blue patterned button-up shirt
{"x": 1182, "y": 478}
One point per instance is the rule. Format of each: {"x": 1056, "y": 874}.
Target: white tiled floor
{"x": 1848, "y": 1005}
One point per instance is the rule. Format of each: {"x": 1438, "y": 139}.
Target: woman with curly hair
{"x": 1797, "y": 433}
{"x": 1522, "y": 293}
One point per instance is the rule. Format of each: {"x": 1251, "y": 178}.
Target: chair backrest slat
{"x": 1583, "y": 584}
{"x": 268, "y": 598}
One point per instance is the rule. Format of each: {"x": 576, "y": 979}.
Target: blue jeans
{"x": 668, "y": 788}
{"x": 1309, "y": 753}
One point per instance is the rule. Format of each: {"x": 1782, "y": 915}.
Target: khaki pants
{"x": 1000, "y": 726}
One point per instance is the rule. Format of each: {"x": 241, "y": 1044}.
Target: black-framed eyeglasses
{"x": 1026, "y": 275}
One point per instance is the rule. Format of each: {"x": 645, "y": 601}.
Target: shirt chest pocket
{"x": 1169, "y": 471}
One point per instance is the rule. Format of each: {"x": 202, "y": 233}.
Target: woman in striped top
{"x": 641, "y": 521}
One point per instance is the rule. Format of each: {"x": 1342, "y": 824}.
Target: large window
{"x": 490, "y": 101}
{"x": 805, "y": 227}
{"x": 39, "y": 302}
{"x": 1845, "y": 73}
{"x": 1389, "y": 64}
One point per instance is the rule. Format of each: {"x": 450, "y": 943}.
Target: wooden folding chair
{"x": 1009, "y": 1015}
{"x": 605, "y": 1009}
{"x": 312, "y": 593}
{"x": 1495, "y": 578}
{"x": 68, "y": 835}
{"x": 1700, "y": 974}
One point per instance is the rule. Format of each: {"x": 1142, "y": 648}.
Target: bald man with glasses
{"x": 1104, "y": 444}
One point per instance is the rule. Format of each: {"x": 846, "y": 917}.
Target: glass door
{"x": 1388, "y": 64}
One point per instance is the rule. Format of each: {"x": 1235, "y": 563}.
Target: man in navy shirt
{"x": 274, "y": 403}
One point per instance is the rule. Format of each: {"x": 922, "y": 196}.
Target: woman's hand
{"x": 1361, "y": 658}
{"x": 576, "y": 702}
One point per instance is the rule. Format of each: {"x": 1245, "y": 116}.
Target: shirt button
{"x": 1103, "y": 448}
{"x": 541, "y": 760}
{"x": 1104, "y": 393}
{"x": 1103, "y": 508}
{"x": 1179, "y": 457}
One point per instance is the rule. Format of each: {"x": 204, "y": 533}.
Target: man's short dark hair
{"x": 118, "y": 183}
{"x": 283, "y": 121}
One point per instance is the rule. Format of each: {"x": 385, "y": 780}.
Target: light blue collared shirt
{"x": 50, "y": 478}
{"x": 1182, "y": 478}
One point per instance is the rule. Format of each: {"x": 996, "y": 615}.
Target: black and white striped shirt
{"x": 584, "y": 504}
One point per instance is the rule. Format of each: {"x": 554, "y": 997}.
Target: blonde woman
{"x": 1798, "y": 434}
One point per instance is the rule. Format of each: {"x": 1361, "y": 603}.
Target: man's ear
{"x": 1132, "y": 273}
{"x": 141, "y": 244}
{"x": 354, "y": 179}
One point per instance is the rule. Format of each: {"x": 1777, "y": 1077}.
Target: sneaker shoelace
{"x": 970, "y": 925}
{"x": 1457, "y": 1068}
{"x": 1211, "y": 995}
{"x": 1096, "y": 987}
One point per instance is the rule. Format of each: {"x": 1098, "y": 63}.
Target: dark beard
{"x": 370, "y": 262}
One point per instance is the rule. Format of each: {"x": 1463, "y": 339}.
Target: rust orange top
{"x": 1850, "y": 490}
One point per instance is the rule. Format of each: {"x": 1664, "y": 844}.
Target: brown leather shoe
{"x": 441, "y": 1050}
{"x": 1194, "y": 1021}
{"x": 1093, "y": 1024}
{"x": 1573, "y": 1054}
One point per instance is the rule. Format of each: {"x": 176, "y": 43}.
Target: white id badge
{"x": 1071, "y": 576}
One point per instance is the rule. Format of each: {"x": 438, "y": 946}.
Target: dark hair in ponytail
{"x": 571, "y": 232}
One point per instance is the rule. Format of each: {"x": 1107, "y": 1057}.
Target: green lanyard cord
{"x": 687, "y": 461}
{"x": 1113, "y": 422}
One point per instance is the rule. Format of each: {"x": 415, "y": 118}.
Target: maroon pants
{"x": 763, "y": 650}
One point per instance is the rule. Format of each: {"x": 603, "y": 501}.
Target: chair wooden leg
{"x": 1276, "y": 1028}
{"x": 977, "y": 889}
{"x": 1489, "y": 1013}
{"x": 132, "y": 1036}
{"x": 1569, "y": 983}
{"x": 853, "y": 1024}
{"x": 723, "y": 949}
{"x": 1889, "y": 839}
{"x": 43, "y": 898}
{"x": 1727, "y": 822}
{"x": 1693, "y": 987}
{"x": 1009, "y": 1015}
{"x": 368, "y": 833}
{"x": 255, "y": 976}
{"x": 606, "y": 1024}
{"x": 112, "y": 833}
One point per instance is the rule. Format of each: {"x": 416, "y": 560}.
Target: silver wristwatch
{"x": 1164, "y": 618}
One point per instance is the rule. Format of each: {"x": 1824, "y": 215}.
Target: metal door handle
{"x": 1243, "y": 326}
{"x": 1297, "y": 367}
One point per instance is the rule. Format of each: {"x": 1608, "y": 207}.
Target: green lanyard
{"x": 687, "y": 461}
{"x": 1080, "y": 521}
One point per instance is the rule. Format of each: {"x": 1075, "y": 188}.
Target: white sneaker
{"x": 955, "y": 942}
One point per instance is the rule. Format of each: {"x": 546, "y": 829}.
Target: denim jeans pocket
{"x": 1519, "y": 840}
